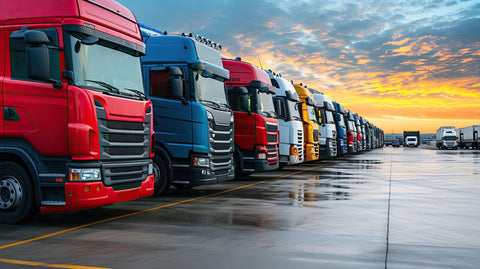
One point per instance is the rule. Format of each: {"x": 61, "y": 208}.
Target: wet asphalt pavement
{"x": 329, "y": 214}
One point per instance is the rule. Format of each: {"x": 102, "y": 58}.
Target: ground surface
{"x": 387, "y": 208}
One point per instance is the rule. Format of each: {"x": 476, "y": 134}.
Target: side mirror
{"x": 244, "y": 99}
{"x": 175, "y": 82}
{"x": 278, "y": 108}
{"x": 38, "y": 59}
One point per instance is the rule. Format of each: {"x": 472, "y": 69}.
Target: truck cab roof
{"x": 106, "y": 13}
{"x": 182, "y": 49}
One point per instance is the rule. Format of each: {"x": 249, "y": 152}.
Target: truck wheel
{"x": 238, "y": 170}
{"x": 16, "y": 193}
{"x": 162, "y": 183}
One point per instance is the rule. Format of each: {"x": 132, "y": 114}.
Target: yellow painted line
{"x": 155, "y": 208}
{"x": 29, "y": 263}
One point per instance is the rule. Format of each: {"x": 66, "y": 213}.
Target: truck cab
{"x": 360, "y": 133}
{"x": 192, "y": 118}
{"x": 310, "y": 119}
{"x": 290, "y": 131}
{"x": 327, "y": 128}
{"x": 340, "y": 124}
{"x": 447, "y": 137}
{"x": 352, "y": 138}
{"x": 250, "y": 94}
{"x": 77, "y": 126}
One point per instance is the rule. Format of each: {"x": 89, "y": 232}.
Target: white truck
{"x": 447, "y": 137}
{"x": 411, "y": 141}
{"x": 468, "y": 137}
{"x": 290, "y": 130}
{"x": 328, "y": 131}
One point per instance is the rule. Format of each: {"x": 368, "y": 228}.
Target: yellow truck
{"x": 310, "y": 122}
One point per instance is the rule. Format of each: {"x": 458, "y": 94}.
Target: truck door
{"x": 2, "y": 75}
{"x": 34, "y": 110}
{"x": 172, "y": 117}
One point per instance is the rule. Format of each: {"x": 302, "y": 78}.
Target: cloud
{"x": 405, "y": 58}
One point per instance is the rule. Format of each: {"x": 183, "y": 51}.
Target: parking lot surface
{"x": 386, "y": 208}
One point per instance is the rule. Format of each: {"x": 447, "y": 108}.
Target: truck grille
{"x": 300, "y": 144}
{"x": 125, "y": 172}
{"x": 272, "y": 138}
{"x": 123, "y": 139}
{"x": 221, "y": 146}
{"x": 271, "y": 127}
{"x": 124, "y": 150}
{"x": 272, "y": 152}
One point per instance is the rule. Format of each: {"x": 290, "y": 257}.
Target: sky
{"x": 403, "y": 65}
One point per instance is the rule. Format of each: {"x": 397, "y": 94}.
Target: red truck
{"x": 250, "y": 94}
{"x": 77, "y": 126}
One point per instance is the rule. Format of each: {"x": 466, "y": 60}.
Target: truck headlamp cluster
{"x": 85, "y": 174}
{"x": 201, "y": 162}
{"x": 208, "y": 42}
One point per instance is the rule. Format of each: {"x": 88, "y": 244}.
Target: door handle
{"x": 10, "y": 114}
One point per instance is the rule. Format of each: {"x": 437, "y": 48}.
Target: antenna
{"x": 260, "y": 62}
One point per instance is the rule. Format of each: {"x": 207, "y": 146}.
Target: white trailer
{"x": 468, "y": 137}
{"x": 447, "y": 137}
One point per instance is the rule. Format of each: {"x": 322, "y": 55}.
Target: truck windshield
{"x": 265, "y": 105}
{"x": 412, "y": 139}
{"x": 329, "y": 117}
{"x": 293, "y": 110}
{"x": 312, "y": 114}
{"x": 106, "y": 69}
{"x": 210, "y": 90}
{"x": 449, "y": 137}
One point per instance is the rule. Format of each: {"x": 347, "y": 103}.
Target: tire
{"x": 162, "y": 181}
{"x": 16, "y": 194}
{"x": 238, "y": 170}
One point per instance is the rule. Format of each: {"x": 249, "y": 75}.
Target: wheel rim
{"x": 10, "y": 193}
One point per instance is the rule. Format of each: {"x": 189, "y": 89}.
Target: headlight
{"x": 312, "y": 149}
{"x": 201, "y": 162}
{"x": 209, "y": 115}
{"x": 85, "y": 174}
{"x": 262, "y": 156}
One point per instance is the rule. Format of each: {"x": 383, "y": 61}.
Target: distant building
{"x": 424, "y": 138}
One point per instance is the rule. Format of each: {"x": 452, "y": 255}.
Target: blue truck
{"x": 339, "y": 117}
{"x": 184, "y": 78}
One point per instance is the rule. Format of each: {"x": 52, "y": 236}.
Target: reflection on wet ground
{"x": 334, "y": 215}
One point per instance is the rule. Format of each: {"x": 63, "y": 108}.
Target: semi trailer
{"x": 468, "y": 137}
{"x": 446, "y": 137}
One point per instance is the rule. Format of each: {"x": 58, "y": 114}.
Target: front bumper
{"x": 85, "y": 195}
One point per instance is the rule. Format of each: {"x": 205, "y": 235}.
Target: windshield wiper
{"x": 105, "y": 85}
{"x": 227, "y": 106}
{"x": 210, "y": 102}
{"x": 139, "y": 93}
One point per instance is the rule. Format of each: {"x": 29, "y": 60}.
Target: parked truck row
{"x": 99, "y": 109}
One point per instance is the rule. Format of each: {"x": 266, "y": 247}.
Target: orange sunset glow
{"x": 403, "y": 65}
